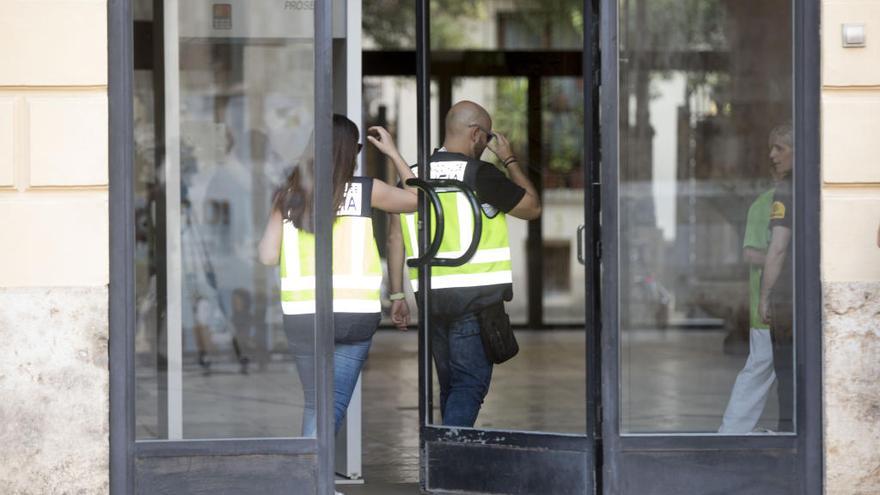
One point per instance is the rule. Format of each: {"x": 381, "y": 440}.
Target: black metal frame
{"x": 121, "y": 292}
{"x": 592, "y": 225}
{"x": 808, "y": 242}
{"x": 778, "y": 464}
{"x": 533, "y": 462}
{"x": 423, "y": 93}
{"x": 131, "y": 459}
{"x": 807, "y": 446}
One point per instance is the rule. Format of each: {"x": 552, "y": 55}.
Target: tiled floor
{"x": 671, "y": 381}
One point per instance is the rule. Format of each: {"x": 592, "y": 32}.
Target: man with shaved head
{"x": 467, "y": 297}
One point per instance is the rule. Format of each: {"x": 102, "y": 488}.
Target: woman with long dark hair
{"x": 357, "y": 273}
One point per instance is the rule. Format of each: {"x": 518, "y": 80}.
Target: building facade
{"x": 55, "y": 247}
{"x": 54, "y": 268}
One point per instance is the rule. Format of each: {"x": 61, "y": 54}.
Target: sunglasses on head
{"x": 489, "y": 135}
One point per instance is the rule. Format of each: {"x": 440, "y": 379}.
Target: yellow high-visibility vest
{"x": 490, "y": 264}
{"x": 357, "y": 272}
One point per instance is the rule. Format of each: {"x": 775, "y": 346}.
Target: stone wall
{"x": 850, "y": 256}
{"x": 54, "y": 425}
{"x": 852, "y": 387}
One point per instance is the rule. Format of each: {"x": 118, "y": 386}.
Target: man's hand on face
{"x": 500, "y": 146}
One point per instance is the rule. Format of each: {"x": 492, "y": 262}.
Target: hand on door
{"x": 400, "y": 314}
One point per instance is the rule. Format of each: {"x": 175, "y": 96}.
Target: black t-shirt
{"x": 781, "y": 215}
{"x": 495, "y": 188}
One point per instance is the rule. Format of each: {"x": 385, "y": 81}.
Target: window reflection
{"x": 243, "y": 118}
{"x": 701, "y": 86}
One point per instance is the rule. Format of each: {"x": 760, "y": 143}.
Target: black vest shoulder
{"x": 356, "y": 200}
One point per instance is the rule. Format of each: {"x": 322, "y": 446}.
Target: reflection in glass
{"x": 216, "y": 133}
{"x": 479, "y": 24}
{"x": 702, "y": 84}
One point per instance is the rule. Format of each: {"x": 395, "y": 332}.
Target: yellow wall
{"x": 53, "y": 143}
{"x": 850, "y": 144}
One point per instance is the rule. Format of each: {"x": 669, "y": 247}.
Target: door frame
{"x": 801, "y": 453}
{"x": 130, "y": 460}
{"x": 463, "y": 451}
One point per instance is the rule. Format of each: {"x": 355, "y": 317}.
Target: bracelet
{"x": 396, "y": 296}
{"x": 510, "y": 159}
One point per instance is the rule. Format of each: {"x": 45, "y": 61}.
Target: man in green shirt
{"x": 754, "y": 381}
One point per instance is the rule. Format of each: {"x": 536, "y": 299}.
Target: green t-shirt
{"x": 757, "y": 237}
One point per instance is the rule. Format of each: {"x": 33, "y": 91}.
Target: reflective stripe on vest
{"x": 490, "y": 265}
{"x": 357, "y": 271}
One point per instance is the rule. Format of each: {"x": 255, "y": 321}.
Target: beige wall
{"x": 53, "y": 143}
{"x": 53, "y": 246}
{"x": 850, "y": 144}
{"x": 850, "y": 256}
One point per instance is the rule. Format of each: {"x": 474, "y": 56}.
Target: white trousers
{"x": 752, "y": 386}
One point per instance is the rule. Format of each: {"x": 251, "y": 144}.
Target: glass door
{"x": 701, "y": 236}
{"x": 534, "y": 431}
{"x": 232, "y": 353}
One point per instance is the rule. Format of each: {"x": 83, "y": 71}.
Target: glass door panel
{"x": 706, "y": 154}
{"x": 552, "y": 351}
{"x": 530, "y": 435}
{"x": 235, "y": 115}
{"x": 232, "y": 131}
{"x": 698, "y": 158}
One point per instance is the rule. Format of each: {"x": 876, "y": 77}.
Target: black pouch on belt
{"x": 498, "y": 340}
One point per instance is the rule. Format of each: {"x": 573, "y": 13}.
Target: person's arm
{"x": 394, "y": 244}
{"x": 381, "y": 139}
{"x": 393, "y": 199}
{"x": 269, "y": 249}
{"x": 754, "y": 256}
{"x": 780, "y": 238}
{"x": 529, "y": 206}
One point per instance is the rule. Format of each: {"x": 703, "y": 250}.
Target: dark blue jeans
{"x": 348, "y": 359}
{"x": 463, "y": 370}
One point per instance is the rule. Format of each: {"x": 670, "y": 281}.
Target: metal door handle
{"x": 438, "y": 232}
{"x": 429, "y": 188}
{"x": 580, "y": 244}
{"x": 478, "y": 222}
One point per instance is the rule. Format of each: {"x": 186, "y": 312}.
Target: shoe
{"x": 204, "y": 362}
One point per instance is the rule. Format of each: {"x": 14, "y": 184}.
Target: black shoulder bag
{"x": 499, "y": 342}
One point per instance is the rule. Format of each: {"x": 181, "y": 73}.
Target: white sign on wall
{"x": 288, "y": 19}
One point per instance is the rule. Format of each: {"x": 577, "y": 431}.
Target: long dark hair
{"x": 294, "y": 199}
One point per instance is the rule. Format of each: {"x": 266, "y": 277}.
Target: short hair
{"x": 784, "y": 133}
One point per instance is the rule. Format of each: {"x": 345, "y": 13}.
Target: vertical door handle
{"x": 580, "y": 244}
{"x": 476, "y": 210}
{"x": 438, "y": 232}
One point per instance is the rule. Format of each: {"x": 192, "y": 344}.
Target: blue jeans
{"x": 348, "y": 359}
{"x": 463, "y": 370}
